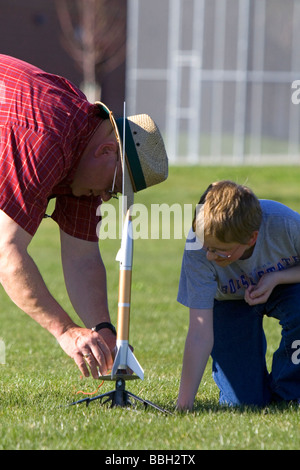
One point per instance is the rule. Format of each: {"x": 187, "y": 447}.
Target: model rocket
{"x": 125, "y": 358}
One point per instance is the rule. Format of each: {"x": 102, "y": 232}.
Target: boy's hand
{"x": 260, "y": 293}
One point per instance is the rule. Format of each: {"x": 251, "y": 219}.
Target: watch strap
{"x": 103, "y": 325}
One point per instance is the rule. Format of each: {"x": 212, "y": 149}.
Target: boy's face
{"x": 224, "y": 254}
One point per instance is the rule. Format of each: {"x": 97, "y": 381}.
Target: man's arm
{"x": 24, "y": 284}
{"x": 198, "y": 347}
{"x": 85, "y": 279}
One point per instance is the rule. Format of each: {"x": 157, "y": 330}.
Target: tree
{"x": 94, "y": 34}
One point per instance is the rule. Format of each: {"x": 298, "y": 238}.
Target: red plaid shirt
{"x": 45, "y": 124}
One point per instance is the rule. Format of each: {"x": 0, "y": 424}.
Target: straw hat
{"x": 145, "y": 155}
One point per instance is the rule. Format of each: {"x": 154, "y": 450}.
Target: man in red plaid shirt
{"x": 54, "y": 143}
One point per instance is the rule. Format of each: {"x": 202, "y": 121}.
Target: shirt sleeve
{"x": 78, "y": 216}
{"x": 197, "y": 284}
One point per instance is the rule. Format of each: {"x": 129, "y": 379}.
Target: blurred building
{"x": 217, "y": 76}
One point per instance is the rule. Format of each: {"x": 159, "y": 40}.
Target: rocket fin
{"x": 131, "y": 363}
{"x": 134, "y": 365}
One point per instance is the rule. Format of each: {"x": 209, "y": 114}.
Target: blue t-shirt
{"x": 277, "y": 248}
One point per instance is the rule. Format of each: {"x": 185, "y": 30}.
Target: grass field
{"x": 38, "y": 379}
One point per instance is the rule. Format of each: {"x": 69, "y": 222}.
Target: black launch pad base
{"x": 120, "y": 396}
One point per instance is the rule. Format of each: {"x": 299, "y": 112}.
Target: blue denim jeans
{"x": 239, "y": 364}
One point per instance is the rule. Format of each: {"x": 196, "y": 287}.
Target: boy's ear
{"x": 106, "y": 148}
{"x": 253, "y": 238}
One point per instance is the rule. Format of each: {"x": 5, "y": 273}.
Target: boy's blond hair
{"x": 228, "y": 212}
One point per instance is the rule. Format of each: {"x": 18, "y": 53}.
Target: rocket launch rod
{"x": 124, "y": 358}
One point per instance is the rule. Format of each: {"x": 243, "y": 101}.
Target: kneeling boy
{"x": 248, "y": 266}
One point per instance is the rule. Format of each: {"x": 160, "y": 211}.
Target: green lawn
{"x": 38, "y": 379}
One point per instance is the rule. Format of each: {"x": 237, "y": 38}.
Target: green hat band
{"x": 133, "y": 160}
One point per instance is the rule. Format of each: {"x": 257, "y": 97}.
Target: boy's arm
{"x": 198, "y": 346}
{"x": 260, "y": 293}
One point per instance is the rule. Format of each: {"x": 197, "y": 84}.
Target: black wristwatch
{"x": 105, "y": 324}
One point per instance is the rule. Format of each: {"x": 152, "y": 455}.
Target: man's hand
{"x": 88, "y": 349}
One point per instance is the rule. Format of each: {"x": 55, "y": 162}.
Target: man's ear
{"x": 253, "y": 238}
{"x": 106, "y": 148}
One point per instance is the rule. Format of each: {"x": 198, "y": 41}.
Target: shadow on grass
{"x": 210, "y": 406}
